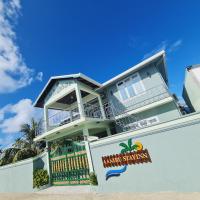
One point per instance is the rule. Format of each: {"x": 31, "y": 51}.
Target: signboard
{"x": 130, "y": 154}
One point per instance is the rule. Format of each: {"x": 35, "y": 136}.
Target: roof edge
{"x": 135, "y": 67}
{"x": 79, "y": 75}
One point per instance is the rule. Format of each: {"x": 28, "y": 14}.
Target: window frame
{"x": 132, "y": 85}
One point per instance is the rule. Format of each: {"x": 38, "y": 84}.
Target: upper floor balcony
{"x": 75, "y": 104}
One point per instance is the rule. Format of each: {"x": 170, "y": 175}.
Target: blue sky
{"x": 101, "y": 39}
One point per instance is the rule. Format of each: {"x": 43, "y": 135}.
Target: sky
{"x": 40, "y": 39}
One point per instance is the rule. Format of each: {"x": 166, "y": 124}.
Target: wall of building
{"x": 18, "y": 177}
{"x": 191, "y": 92}
{"x": 154, "y": 85}
{"x": 174, "y": 150}
{"x": 57, "y": 87}
{"x": 165, "y": 112}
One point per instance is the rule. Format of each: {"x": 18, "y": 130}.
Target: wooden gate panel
{"x": 69, "y": 168}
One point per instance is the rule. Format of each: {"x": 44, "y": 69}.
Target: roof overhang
{"x": 158, "y": 58}
{"x": 80, "y": 77}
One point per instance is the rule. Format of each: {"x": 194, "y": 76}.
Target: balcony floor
{"x": 72, "y": 127}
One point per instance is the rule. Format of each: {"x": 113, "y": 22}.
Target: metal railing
{"x": 67, "y": 116}
{"x": 119, "y": 112}
{"x": 147, "y": 97}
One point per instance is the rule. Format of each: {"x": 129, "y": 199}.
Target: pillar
{"x": 79, "y": 101}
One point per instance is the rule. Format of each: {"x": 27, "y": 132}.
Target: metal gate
{"x": 69, "y": 164}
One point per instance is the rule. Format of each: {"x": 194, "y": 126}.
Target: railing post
{"x": 101, "y": 107}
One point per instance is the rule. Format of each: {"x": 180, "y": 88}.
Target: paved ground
{"x": 87, "y": 193}
{"x": 93, "y": 196}
{"x": 86, "y": 189}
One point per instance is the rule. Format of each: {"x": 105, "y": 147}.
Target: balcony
{"x": 63, "y": 117}
{"x": 76, "y": 105}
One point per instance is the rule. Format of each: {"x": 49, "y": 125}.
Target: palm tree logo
{"x": 129, "y": 147}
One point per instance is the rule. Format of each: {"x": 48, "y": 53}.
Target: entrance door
{"x": 68, "y": 163}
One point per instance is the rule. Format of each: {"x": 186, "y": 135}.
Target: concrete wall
{"x": 18, "y": 177}
{"x": 174, "y": 150}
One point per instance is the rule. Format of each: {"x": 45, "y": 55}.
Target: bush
{"x": 40, "y": 178}
{"x": 24, "y": 154}
{"x": 93, "y": 179}
{"x": 8, "y": 155}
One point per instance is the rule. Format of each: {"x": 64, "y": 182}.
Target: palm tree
{"x": 20, "y": 143}
{"x": 29, "y": 133}
{"x": 1, "y": 150}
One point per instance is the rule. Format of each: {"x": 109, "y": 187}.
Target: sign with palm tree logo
{"x": 131, "y": 153}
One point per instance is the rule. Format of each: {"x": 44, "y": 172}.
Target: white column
{"x": 101, "y": 107}
{"x": 85, "y": 132}
{"x": 46, "y": 120}
{"x": 79, "y": 101}
{"x": 87, "y": 148}
{"x": 48, "y": 160}
{"x": 108, "y": 131}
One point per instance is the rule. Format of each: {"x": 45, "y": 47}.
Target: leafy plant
{"x": 8, "y": 155}
{"x": 24, "y": 154}
{"x": 129, "y": 147}
{"x": 93, "y": 179}
{"x": 40, "y": 178}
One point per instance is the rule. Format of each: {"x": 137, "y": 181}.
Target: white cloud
{"x": 175, "y": 46}
{"x": 164, "y": 45}
{"x": 12, "y": 116}
{"x": 14, "y": 72}
{"x": 39, "y": 76}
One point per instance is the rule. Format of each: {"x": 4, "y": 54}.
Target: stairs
{"x": 124, "y": 121}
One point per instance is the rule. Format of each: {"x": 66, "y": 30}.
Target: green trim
{"x": 69, "y": 164}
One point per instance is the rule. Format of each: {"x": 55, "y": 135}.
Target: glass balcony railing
{"x": 63, "y": 117}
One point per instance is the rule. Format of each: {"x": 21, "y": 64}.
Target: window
{"x": 130, "y": 87}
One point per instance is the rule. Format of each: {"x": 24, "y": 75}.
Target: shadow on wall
{"x": 38, "y": 163}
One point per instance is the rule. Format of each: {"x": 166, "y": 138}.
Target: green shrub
{"x": 40, "y": 178}
{"x": 24, "y": 154}
{"x": 93, "y": 179}
{"x": 8, "y": 155}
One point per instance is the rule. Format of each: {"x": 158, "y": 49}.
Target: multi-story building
{"x": 76, "y": 106}
{"x": 191, "y": 87}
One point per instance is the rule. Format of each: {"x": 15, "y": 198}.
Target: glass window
{"x": 122, "y": 91}
{"x": 130, "y": 87}
{"x": 137, "y": 84}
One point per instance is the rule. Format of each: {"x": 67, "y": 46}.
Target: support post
{"x": 46, "y": 118}
{"x": 108, "y": 131}
{"x": 48, "y": 160}
{"x": 87, "y": 148}
{"x": 79, "y": 101}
